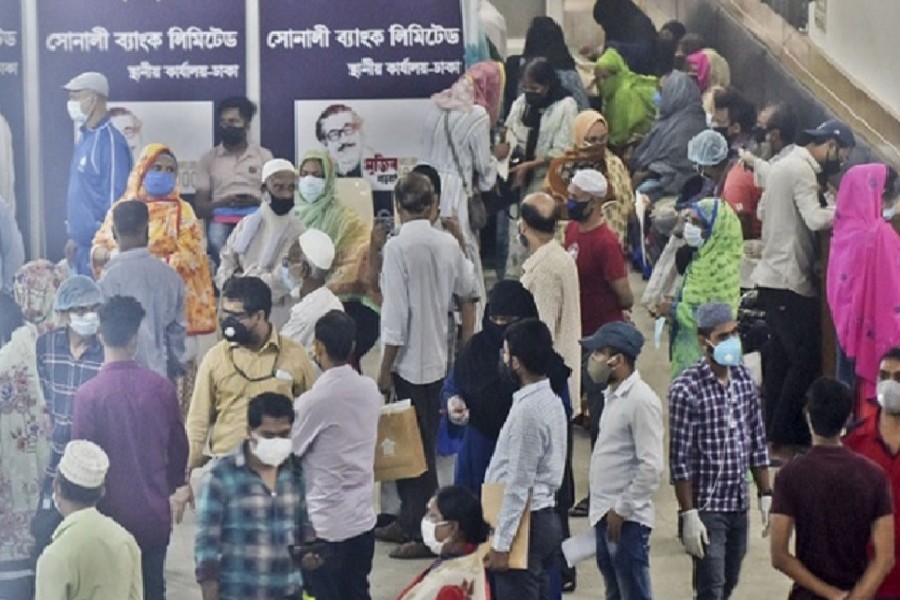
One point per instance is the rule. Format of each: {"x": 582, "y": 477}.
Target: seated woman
{"x": 864, "y": 274}
{"x": 712, "y": 232}
{"x": 454, "y": 528}
{"x": 628, "y": 100}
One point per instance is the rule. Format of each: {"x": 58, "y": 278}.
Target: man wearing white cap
{"x": 305, "y": 270}
{"x": 261, "y": 240}
{"x": 100, "y": 166}
{"x": 91, "y": 555}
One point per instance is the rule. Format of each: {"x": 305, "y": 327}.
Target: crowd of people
{"x": 117, "y": 417}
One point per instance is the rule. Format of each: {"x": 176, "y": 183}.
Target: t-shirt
{"x": 598, "y": 255}
{"x": 834, "y": 495}
{"x": 741, "y": 193}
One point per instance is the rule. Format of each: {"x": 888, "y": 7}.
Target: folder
{"x": 491, "y": 503}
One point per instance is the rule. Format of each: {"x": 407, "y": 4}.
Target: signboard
{"x": 167, "y": 61}
{"x": 356, "y": 80}
{"x": 12, "y": 119}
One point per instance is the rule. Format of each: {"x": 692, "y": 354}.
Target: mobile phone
{"x": 298, "y": 551}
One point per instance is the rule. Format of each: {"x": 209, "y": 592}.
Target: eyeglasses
{"x": 597, "y": 140}
{"x": 347, "y": 130}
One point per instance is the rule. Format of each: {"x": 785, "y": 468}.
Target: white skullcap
{"x": 590, "y": 181}
{"x": 84, "y": 463}
{"x": 318, "y": 248}
{"x": 91, "y": 81}
{"x": 277, "y": 165}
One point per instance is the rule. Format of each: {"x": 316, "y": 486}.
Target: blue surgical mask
{"x": 888, "y": 213}
{"x": 576, "y": 209}
{"x": 728, "y": 353}
{"x": 693, "y": 235}
{"x": 657, "y": 98}
{"x": 159, "y": 184}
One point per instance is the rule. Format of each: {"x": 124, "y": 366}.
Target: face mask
{"x": 889, "y": 396}
{"x": 429, "y": 535}
{"x": 85, "y": 325}
{"x": 494, "y": 331}
{"x": 723, "y": 131}
{"x": 235, "y": 331}
{"x": 831, "y": 166}
{"x": 508, "y": 374}
{"x": 55, "y": 501}
{"x": 577, "y": 210}
{"x": 272, "y": 451}
{"x": 523, "y": 240}
{"x": 311, "y": 188}
{"x": 693, "y": 235}
{"x": 534, "y": 98}
{"x": 75, "y": 113}
{"x": 888, "y": 213}
{"x": 728, "y": 352}
{"x": 232, "y": 136}
{"x": 289, "y": 281}
{"x": 759, "y": 134}
{"x": 159, "y": 184}
{"x": 657, "y": 98}
{"x": 281, "y": 206}
{"x": 599, "y": 370}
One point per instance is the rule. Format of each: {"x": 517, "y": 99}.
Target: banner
{"x": 356, "y": 80}
{"x": 167, "y": 61}
{"x": 12, "y": 118}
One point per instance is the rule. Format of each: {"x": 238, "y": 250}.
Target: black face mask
{"x": 232, "y": 136}
{"x": 508, "y": 375}
{"x": 831, "y": 166}
{"x": 759, "y": 134}
{"x": 535, "y": 98}
{"x": 494, "y": 332}
{"x": 724, "y": 132}
{"x": 281, "y": 206}
{"x": 235, "y": 331}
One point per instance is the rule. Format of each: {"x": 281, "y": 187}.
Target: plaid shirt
{"x": 61, "y": 375}
{"x": 244, "y": 530}
{"x": 717, "y": 433}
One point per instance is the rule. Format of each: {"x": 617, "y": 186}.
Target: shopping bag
{"x": 491, "y": 503}
{"x": 399, "y": 453}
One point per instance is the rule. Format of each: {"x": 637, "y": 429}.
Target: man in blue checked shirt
{"x": 251, "y": 509}
{"x": 717, "y": 434}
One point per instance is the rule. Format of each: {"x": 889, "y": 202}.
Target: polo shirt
{"x": 227, "y": 174}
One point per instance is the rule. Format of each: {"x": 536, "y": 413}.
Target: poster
{"x": 167, "y": 62}
{"x": 12, "y": 119}
{"x": 355, "y": 80}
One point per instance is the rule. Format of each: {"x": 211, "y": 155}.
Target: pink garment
{"x": 864, "y": 273}
{"x": 699, "y": 66}
{"x": 459, "y": 96}
{"x": 488, "y": 80}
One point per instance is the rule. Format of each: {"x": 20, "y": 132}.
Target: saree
{"x": 460, "y": 578}
{"x": 176, "y": 236}
{"x": 712, "y": 276}
{"x": 627, "y": 99}
{"x": 863, "y": 282}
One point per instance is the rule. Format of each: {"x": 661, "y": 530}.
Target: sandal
{"x": 569, "y": 580}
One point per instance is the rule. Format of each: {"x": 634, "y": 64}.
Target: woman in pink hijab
{"x": 864, "y": 272}
{"x": 698, "y": 67}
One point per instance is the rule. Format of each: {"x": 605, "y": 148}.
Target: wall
{"x": 860, "y": 39}
{"x": 518, "y": 14}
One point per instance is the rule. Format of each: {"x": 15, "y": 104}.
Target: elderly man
{"x": 100, "y": 166}
{"x": 260, "y": 241}
{"x": 305, "y": 270}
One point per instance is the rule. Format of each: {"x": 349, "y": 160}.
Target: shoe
{"x": 384, "y": 519}
{"x": 582, "y": 509}
{"x": 393, "y": 534}
{"x": 569, "y": 580}
{"x": 412, "y": 551}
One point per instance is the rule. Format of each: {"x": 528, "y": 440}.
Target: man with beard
{"x": 339, "y": 129}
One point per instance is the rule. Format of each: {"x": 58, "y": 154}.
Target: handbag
{"x": 478, "y": 214}
{"x": 399, "y": 453}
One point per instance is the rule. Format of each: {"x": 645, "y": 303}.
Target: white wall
{"x": 860, "y": 38}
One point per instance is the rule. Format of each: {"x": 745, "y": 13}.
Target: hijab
{"x": 134, "y": 189}
{"x": 545, "y": 38}
{"x": 583, "y": 123}
{"x": 315, "y": 214}
{"x": 627, "y": 98}
{"x": 700, "y": 67}
{"x": 482, "y": 85}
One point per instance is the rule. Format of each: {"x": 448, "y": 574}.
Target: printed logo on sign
{"x": 388, "y": 447}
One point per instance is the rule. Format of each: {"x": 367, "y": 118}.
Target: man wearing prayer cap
{"x": 627, "y": 462}
{"x": 261, "y": 240}
{"x": 306, "y": 269}
{"x": 91, "y": 556}
{"x": 717, "y": 435}
{"x": 99, "y": 169}
{"x": 67, "y": 357}
{"x": 602, "y": 275}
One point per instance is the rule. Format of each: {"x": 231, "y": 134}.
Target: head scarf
{"x": 712, "y": 276}
{"x": 459, "y": 96}
{"x": 35, "y": 291}
{"x": 719, "y": 70}
{"x": 681, "y": 117}
{"x": 313, "y": 214}
{"x": 700, "y": 66}
{"x": 627, "y": 98}
{"x": 545, "y": 38}
{"x": 487, "y": 77}
{"x": 583, "y": 123}
{"x": 863, "y": 282}
{"x": 134, "y": 190}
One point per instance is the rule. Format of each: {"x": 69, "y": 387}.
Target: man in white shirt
{"x": 335, "y": 431}
{"x": 627, "y": 462}
{"x": 424, "y": 271}
{"x": 788, "y": 286}
{"x": 304, "y": 272}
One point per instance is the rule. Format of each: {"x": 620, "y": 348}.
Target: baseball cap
{"x": 91, "y": 81}
{"x": 617, "y": 335}
{"x": 838, "y": 130}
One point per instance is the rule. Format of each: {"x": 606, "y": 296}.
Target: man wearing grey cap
{"x": 627, "y": 461}
{"x": 717, "y": 435}
{"x": 100, "y": 166}
{"x": 788, "y": 286}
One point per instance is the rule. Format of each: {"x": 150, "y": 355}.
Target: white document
{"x": 640, "y": 205}
{"x": 580, "y": 547}
{"x": 658, "y": 327}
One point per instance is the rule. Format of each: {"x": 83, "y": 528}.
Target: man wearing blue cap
{"x": 717, "y": 435}
{"x": 791, "y": 213}
{"x": 627, "y": 461}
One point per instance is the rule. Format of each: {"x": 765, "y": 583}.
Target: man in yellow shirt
{"x": 91, "y": 557}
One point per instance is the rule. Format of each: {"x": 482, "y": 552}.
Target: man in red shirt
{"x": 602, "y": 276}
{"x": 878, "y": 438}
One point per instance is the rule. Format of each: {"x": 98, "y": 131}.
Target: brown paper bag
{"x": 491, "y": 503}
{"x": 399, "y": 453}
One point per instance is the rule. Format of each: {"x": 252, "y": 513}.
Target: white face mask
{"x": 55, "y": 501}
{"x": 290, "y": 282}
{"x": 889, "y": 396}
{"x": 311, "y": 188}
{"x": 429, "y": 535}
{"x": 693, "y": 235}
{"x": 75, "y": 113}
{"x": 86, "y": 324}
{"x": 273, "y": 451}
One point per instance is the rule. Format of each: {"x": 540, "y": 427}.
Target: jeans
{"x": 716, "y": 574}
{"x": 153, "y": 570}
{"x": 625, "y": 565}
{"x": 344, "y": 574}
{"x": 217, "y": 236}
{"x": 791, "y": 362}
{"x": 544, "y": 556}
